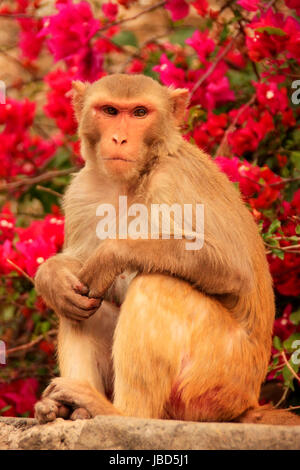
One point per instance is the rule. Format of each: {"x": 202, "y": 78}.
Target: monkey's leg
{"x": 179, "y": 354}
{"x": 84, "y": 355}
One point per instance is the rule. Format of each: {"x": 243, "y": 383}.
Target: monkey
{"x": 147, "y": 327}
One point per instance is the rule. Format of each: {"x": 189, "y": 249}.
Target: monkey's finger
{"x": 74, "y": 313}
{"x": 85, "y": 303}
{"x": 79, "y": 287}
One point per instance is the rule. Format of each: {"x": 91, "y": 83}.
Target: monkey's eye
{"x": 110, "y": 110}
{"x": 140, "y": 112}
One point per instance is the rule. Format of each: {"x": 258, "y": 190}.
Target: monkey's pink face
{"x": 124, "y": 128}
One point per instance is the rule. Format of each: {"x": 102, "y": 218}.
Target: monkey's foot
{"x": 47, "y": 410}
{"x": 65, "y": 398}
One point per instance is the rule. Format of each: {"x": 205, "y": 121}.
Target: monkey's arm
{"x": 209, "y": 268}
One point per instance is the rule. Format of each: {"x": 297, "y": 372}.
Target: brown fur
{"x": 192, "y": 338}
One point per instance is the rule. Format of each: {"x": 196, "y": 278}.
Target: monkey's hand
{"x": 57, "y": 282}
{"x": 73, "y": 395}
{"x": 100, "y": 270}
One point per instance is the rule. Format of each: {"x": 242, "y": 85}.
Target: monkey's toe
{"x": 46, "y": 410}
{"x": 80, "y": 413}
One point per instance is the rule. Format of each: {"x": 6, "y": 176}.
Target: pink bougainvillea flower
{"x": 88, "y": 64}
{"x": 58, "y": 105}
{"x": 293, "y": 4}
{"x": 35, "y": 252}
{"x": 209, "y": 133}
{"x": 202, "y": 44}
{"x": 19, "y": 397}
{"x": 250, "y": 5}
{"x": 270, "y": 96}
{"x": 51, "y": 229}
{"x": 110, "y": 10}
{"x": 136, "y": 66}
{"x": 201, "y": 6}
{"x": 178, "y": 9}
{"x": 31, "y": 42}
{"x": 70, "y": 29}
{"x": 7, "y": 223}
{"x": 169, "y": 74}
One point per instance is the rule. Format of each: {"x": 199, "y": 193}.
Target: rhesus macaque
{"x": 192, "y": 337}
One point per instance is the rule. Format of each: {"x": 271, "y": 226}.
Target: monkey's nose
{"x": 119, "y": 141}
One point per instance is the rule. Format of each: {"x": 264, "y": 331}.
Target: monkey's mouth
{"x": 119, "y": 159}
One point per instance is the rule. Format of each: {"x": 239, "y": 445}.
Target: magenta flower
{"x": 70, "y": 29}
{"x": 202, "y": 44}
{"x": 110, "y": 10}
{"x": 31, "y": 42}
{"x": 250, "y": 5}
{"x": 201, "y": 6}
{"x": 178, "y": 9}
{"x": 270, "y": 96}
{"x": 169, "y": 74}
{"x": 35, "y": 252}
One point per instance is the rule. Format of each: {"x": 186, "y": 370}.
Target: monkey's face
{"x": 125, "y": 128}
{"x": 124, "y": 119}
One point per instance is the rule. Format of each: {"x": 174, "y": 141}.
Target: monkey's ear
{"x": 77, "y": 93}
{"x": 180, "y": 100}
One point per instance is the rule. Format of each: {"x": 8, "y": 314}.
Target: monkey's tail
{"x": 266, "y": 414}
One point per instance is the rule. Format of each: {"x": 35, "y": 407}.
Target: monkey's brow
{"x": 126, "y": 105}
{"x": 120, "y": 103}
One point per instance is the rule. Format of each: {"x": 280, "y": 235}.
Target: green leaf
{"x": 5, "y": 408}
{"x": 8, "y": 312}
{"x": 180, "y": 35}
{"x": 295, "y": 158}
{"x": 297, "y": 229}
{"x": 274, "y": 226}
{"x": 30, "y": 301}
{"x": 277, "y": 343}
{"x": 295, "y": 317}
{"x": 45, "y": 326}
{"x": 288, "y": 377}
{"x": 271, "y": 30}
{"x": 278, "y": 253}
{"x": 288, "y": 343}
{"x": 125, "y": 38}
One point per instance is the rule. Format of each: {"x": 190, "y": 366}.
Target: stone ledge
{"x": 115, "y": 433}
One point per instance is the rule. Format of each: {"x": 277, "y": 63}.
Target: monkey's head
{"x": 125, "y": 121}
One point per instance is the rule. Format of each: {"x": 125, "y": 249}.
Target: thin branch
{"x": 37, "y": 179}
{"x": 131, "y": 18}
{"x": 32, "y": 343}
{"x": 20, "y": 270}
{"x": 49, "y": 190}
{"x": 232, "y": 126}
{"x": 289, "y": 366}
{"x": 285, "y": 181}
{"x": 213, "y": 65}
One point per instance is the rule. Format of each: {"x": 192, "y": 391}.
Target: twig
{"x": 36, "y": 179}
{"x": 213, "y": 65}
{"x": 21, "y": 270}
{"x": 289, "y": 366}
{"x": 131, "y": 18}
{"x": 283, "y": 397}
{"x": 284, "y": 181}
{"x": 231, "y": 128}
{"x": 32, "y": 343}
{"x": 48, "y": 190}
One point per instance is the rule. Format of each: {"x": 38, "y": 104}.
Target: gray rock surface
{"x": 115, "y": 433}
